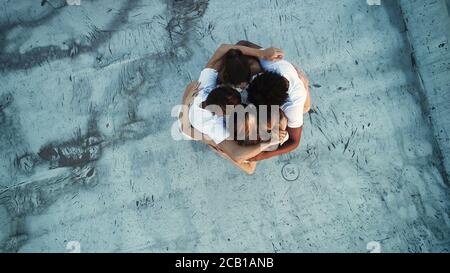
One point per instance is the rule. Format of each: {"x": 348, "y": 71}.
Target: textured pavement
{"x": 87, "y": 156}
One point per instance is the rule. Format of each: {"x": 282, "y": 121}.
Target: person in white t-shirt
{"x": 284, "y": 85}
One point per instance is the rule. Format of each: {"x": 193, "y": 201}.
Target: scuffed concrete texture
{"x": 428, "y": 25}
{"x": 87, "y": 154}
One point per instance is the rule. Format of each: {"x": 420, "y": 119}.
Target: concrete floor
{"x": 87, "y": 158}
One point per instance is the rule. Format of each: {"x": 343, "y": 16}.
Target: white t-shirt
{"x": 293, "y": 108}
{"x": 203, "y": 120}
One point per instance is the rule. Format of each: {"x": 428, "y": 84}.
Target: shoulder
{"x": 208, "y": 73}
{"x": 283, "y": 67}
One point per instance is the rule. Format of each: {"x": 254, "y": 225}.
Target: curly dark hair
{"x": 268, "y": 88}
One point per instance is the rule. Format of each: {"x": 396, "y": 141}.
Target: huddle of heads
{"x": 265, "y": 90}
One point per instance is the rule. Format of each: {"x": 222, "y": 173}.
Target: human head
{"x": 235, "y": 69}
{"x": 223, "y": 96}
{"x": 268, "y": 88}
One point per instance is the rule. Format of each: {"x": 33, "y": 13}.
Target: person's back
{"x": 207, "y": 111}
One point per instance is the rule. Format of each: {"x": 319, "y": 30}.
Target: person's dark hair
{"x": 223, "y": 96}
{"x": 236, "y": 68}
{"x": 269, "y": 88}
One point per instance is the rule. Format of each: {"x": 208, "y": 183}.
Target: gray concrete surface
{"x": 428, "y": 23}
{"x": 86, "y": 152}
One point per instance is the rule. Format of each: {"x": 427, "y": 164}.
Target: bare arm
{"x": 240, "y": 153}
{"x": 305, "y": 81}
{"x": 268, "y": 53}
{"x": 215, "y": 61}
{"x": 248, "y": 44}
{"x": 248, "y": 167}
{"x": 271, "y": 53}
{"x": 291, "y": 144}
{"x": 302, "y": 77}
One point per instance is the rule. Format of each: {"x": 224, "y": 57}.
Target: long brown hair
{"x": 235, "y": 68}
